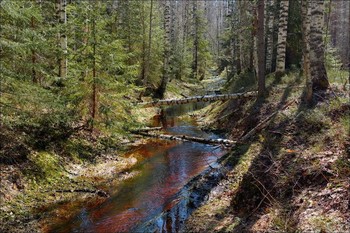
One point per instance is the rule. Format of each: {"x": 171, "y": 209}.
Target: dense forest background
{"x": 73, "y": 72}
{"x": 72, "y": 64}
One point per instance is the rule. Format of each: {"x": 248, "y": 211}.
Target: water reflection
{"x": 165, "y": 170}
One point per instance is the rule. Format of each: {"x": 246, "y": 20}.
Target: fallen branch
{"x": 224, "y": 142}
{"x": 98, "y": 192}
{"x": 263, "y": 123}
{"x": 204, "y": 98}
{"x": 147, "y": 129}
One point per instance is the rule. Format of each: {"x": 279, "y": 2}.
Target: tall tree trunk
{"x": 195, "y": 40}
{"x": 318, "y": 69}
{"x": 306, "y": 49}
{"x": 282, "y": 37}
{"x": 144, "y": 53}
{"x": 86, "y": 31}
{"x": 149, "y": 49}
{"x": 165, "y": 78}
{"x": 261, "y": 49}
{"x": 242, "y": 18}
{"x": 63, "y": 61}
{"x": 94, "y": 81}
{"x": 254, "y": 49}
{"x": 34, "y": 77}
{"x": 269, "y": 34}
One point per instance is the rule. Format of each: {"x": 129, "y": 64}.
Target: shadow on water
{"x": 158, "y": 190}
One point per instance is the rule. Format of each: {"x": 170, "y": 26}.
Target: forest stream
{"x": 155, "y": 197}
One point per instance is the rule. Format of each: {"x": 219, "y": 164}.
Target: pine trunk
{"x": 242, "y": 18}
{"x": 260, "y": 49}
{"x": 34, "y": 77}
{"x": 62, "y": 16}
{"x": 149, "y": 49}
{"x": 282, "y": 37}
{"x": 165, "y": 78}
{"x": 94, "y": 81}
{"x": 195, "y": 41}
{"x": 317, "y": 66}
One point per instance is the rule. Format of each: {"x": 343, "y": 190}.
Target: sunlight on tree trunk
{"x": 282, "y": 37}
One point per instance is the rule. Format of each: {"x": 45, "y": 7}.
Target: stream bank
{"x": 29, "y": 202}
{"x": 293, "y": 176}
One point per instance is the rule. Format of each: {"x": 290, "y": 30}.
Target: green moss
{"x": 45, "y": 167}
{"x": 79, "y": 149}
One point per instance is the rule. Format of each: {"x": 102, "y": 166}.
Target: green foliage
{"x": 45, "y": 166}
{"x": 46, "y": 109}
{"x": 334, "y": 67}
{"x": 313, "y": 121}
{"x": 35, "y": 111}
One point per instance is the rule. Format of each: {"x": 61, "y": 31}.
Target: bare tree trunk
{"x": 149, "y": 49}
{"x": 161, "y": 90}
{"x": 34, "y": 77}
{"x": 86, "y": 29}
{"x": 318, "y": 69}
{"x": 261, "y": 49}
{"x": 242, "y": 18}
{"x": 269, "y": 34}
{"x": 143, "y": 67}
{"x": 62, "y": 15}
{"x": 195, "y": 41}
{"x": 306, "y": 49}
{"x": 282, "y": 37}
{"x": 94, "y": 84}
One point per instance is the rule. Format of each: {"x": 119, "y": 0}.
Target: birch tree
{"x": 62, "y": 18}
{"x": 306, "y": 49}
{"x": 317, "y": 58}
{"x": 282, "y": 37}
{"x": 269, "y": 34}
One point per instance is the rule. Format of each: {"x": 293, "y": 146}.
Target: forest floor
{"x": 40, "y": 186}
{"x": 293, "y": 176}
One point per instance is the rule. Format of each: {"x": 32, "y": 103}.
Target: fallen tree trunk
{"x": 148, "y": 129}
{"x": 224, "y": 142}
{"x": 263, "y": 123}
{"x": 194, "y": 99}
{"x": 98, "y": 192}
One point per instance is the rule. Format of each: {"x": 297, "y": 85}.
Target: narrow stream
{"x": 157, "y": 189}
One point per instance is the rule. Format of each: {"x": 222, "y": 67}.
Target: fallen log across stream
{"x": 224, "y": 142}
{"x": 98, "y": 192}
{"x": 193, "y": 99}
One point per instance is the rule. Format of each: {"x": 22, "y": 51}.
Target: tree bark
{"x": 94, "y": 83}
{"x": 195, "y": 40}
{"x": 261, "y": 49}
{"x": 62, "y": 16}
{"x": 165, "y": 78}
{"x": 282, "y": 37}
{"x": 269, "y": 34}
{"x": 34, "y": 75}
{"x": 194, "y": 99}
{"x": 149, "y": 49}
{"x": 224, "y": 142}
{"x": 306, "y": 50}
{"x": 317, "y": 66}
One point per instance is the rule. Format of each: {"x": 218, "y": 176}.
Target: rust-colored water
{"x": 167, "y": 167}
